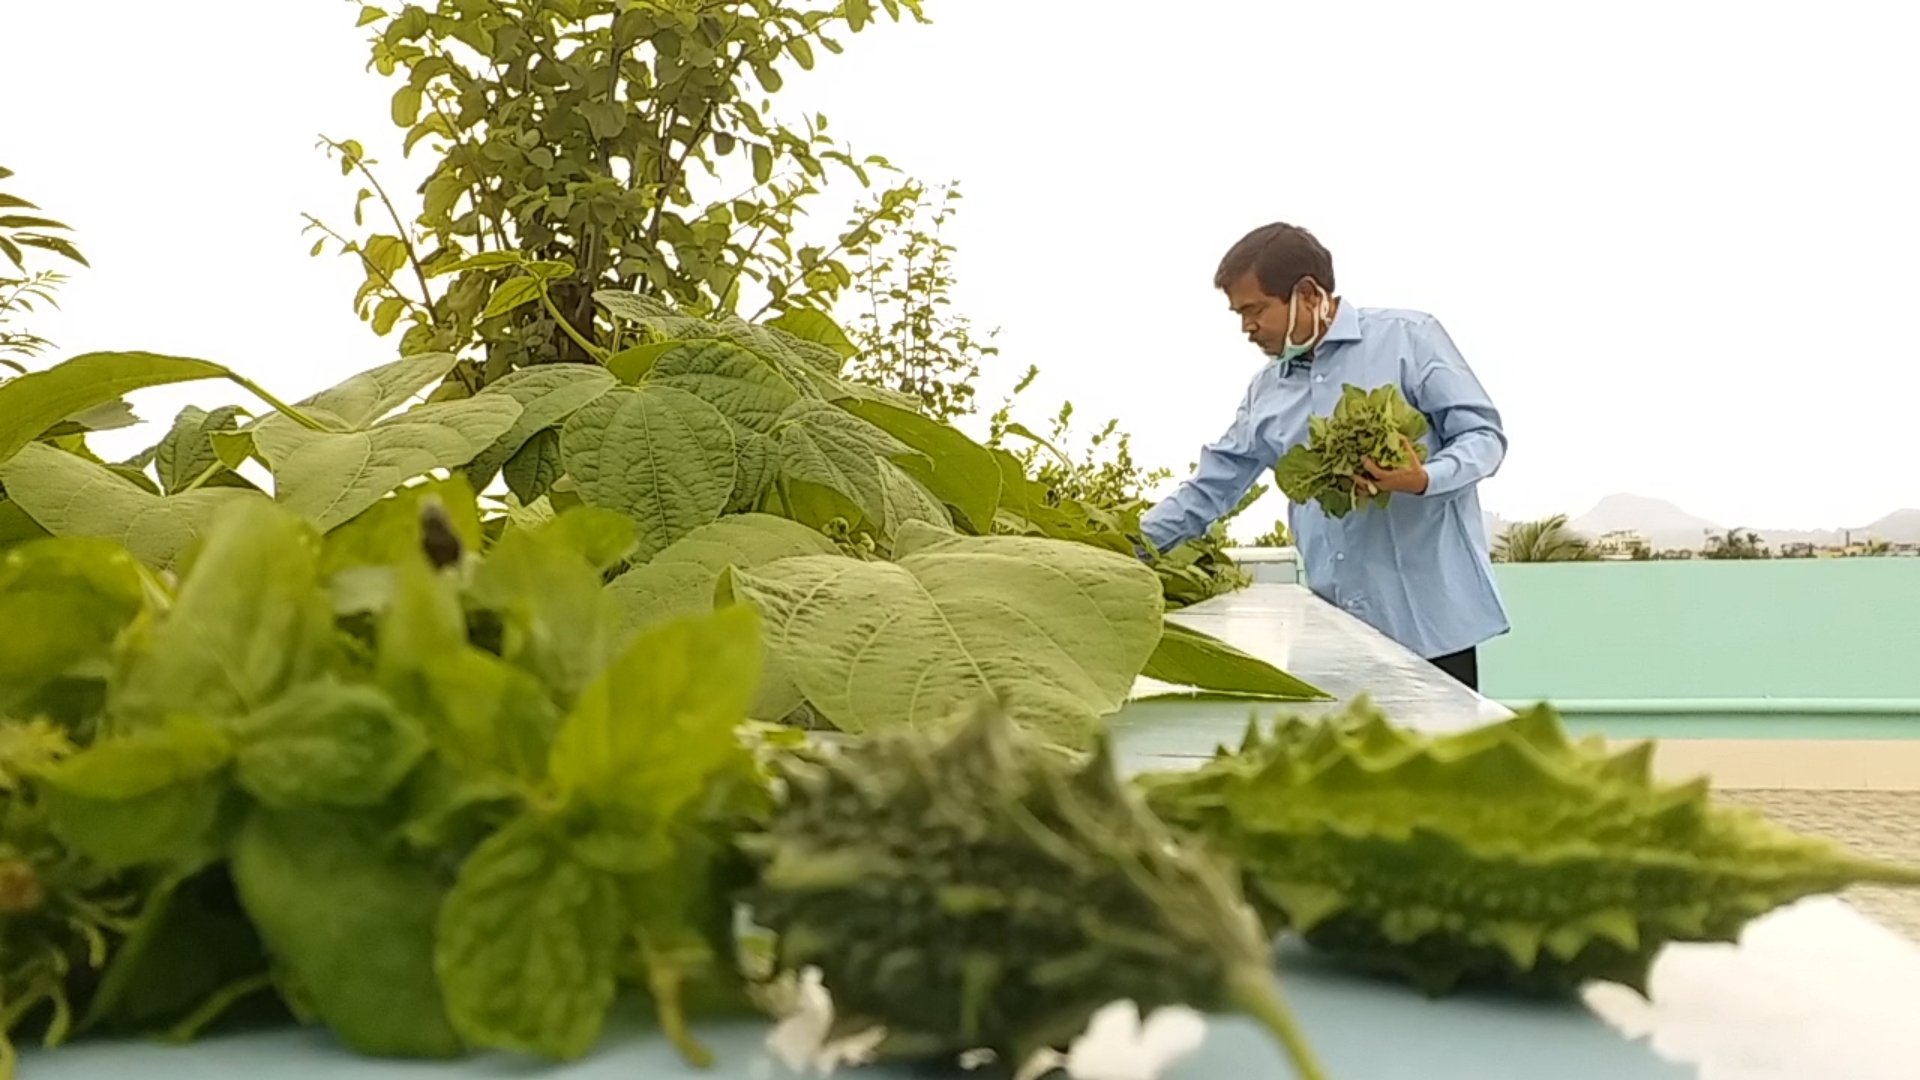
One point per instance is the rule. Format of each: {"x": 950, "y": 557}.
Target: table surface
{"x": 1813, "y": 992}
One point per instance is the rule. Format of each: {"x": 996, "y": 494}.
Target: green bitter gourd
{"x": 973, "y": 888}
{"x": 1506, "y": 855}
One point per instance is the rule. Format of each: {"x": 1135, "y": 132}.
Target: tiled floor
{"x": 1882, "y": 824}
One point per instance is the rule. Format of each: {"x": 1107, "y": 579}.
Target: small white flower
{"x": 1117, "y": 1046}
{"x": 800, "y": 1039}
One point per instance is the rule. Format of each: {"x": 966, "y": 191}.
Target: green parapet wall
{"x": 1824, "y": 648}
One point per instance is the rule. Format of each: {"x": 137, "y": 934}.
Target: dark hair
{"x": 1280, "y": 257}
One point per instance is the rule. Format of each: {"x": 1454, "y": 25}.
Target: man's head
{"x": 1279, "y": 281}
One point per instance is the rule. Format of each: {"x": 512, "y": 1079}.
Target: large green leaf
{"x": 330, "y": 478}
{"x": 71, "y": 496}
{"x": 958, "y": 470}
{"x": 680, "y": 579}
{"x": 32, "y": 404}
{"x": 372, "y": 394}
{"x": 824, "y": 444}
{"x": 658, "y": 454}
{"x": 1058, "y": 632}
{"x": 803, "y": 362}
{"x": 1187, "y": 657}
{"x": 817, "y": 327}
{"x": 732, "y": 379}
{"x": 547, "y": 394}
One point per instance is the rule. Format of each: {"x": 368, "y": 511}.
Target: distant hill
{"x": 1899, "y": 527}
{"x": 1667, "y": 525}
{"x": 1664, "y": 524}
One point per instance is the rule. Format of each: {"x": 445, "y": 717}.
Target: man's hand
{"x": 1411, "y": 480}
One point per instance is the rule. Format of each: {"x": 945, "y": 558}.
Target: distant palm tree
{"x": 1736, "y": 544}
{"x": 1546, "y": 540}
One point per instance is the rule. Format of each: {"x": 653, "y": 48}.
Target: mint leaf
{"x": 327, "y": 743}
{"x": 526, "y": 943}
{"x": 250, "y": 621}
{"x": 66, "y": 600}
{"x": 350, "y": 919}
{"x": 557, "y": 621}
{"x": 150, "y": 797}
{"x": 662, "y": 719}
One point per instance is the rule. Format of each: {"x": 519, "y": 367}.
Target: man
{"x": 1417, "y": 570}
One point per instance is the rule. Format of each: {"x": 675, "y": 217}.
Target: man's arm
{"x": 1226, "y": 472}
{"x": 1469, "y": 441}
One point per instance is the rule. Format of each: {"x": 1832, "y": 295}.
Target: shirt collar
{"x": 1346, "y": 327}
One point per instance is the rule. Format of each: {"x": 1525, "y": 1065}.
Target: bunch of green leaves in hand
{"x": 1376, "y": 426}
{"x": 455, "y": 804}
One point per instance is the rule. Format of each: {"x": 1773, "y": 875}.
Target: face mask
{"x": 1290, "y": 351}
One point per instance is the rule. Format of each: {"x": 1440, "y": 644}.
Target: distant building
{"x": 1621, "y": 545}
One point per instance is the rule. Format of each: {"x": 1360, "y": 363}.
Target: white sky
{"x": 1675, "y": 239}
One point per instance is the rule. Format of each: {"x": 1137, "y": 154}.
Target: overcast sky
{"x": 1676, "y": 240}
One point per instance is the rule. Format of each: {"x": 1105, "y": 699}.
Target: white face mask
{"x": 1289, "y": 350}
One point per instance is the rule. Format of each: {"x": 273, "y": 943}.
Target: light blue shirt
{"x": 1418, "y": 569}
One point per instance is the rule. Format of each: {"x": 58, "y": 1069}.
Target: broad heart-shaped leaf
{"x": 680, "y": 579}
{"x": 658, "y": 454}
{"x": 824, "y": 444}
{"x": 958, "y": 470}
{"x": 71, "y": 496}
{"x": 547, "y": 394}
{"x": 525, "y": 945}
{"x": 743, "y": 386}
{"x": 330, "y": 478}
{"x": 372, "y": 394}
{"x": 799, "y": 359}
{"x": 326, "y": 743}
{"x": 817, "y": 327}
{"x": 188, "y": 450}
{"x": 533, "y": 469}
{"x": 349, "y": 916}
{"x": 756, "y": 462}
{"x": 65, "y": 602}
{"x": 32, "y": 404}
{"x": 1187, "y": 657}
{"x": 649, "y": 732}
{"x": 1057, "y": 631}
{"x": 251, "y": 620}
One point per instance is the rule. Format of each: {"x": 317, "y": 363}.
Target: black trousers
{"x": 1463, "y": 665}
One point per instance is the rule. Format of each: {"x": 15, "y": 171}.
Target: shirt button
{"x": 1340, "y": 556}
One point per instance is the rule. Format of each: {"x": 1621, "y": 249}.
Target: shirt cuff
{"x": 1443, "y": 477}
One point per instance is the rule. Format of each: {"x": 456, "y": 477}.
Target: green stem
{"x": 1256, "y": 993}
{"x": 214, "y": 1007}
{"x": 205, "y": 476}
{"x": 592, "y": 350}
{"x": 663, "y": 983}
{"x": 282, "y": 407}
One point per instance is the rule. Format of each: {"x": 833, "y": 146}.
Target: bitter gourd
{"x": 972, "y": 888}
{"x": 1505, "y": 855}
